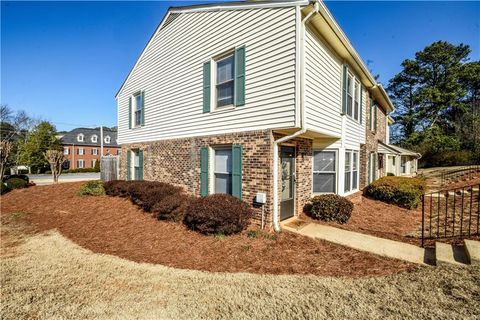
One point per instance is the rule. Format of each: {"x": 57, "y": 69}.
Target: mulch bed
{"x": 111, "y": 225}
{"x": 381, "y": 219}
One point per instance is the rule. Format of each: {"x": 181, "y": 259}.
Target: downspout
{"x": 303, "y": 129}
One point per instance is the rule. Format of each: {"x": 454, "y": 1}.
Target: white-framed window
{"x": 222, "y": 170}
{"x": 80, "y": 164}
{"x": 224, "y": 80}
{"x": 324, "y": 171}
{"x": 80, "y": 137}
{"x": 356, "y": 102}
{"x": 94, "y": 162}
{"x": 94, "y": 138}
{"x": 94, "y": 151}
{"x": 80, "y": 151}
{"x": 107, "y": 139}
{"x": 137, "y": 110}
{"x": 351, "y": 170}
{"x": 403, "y": 164}
{"x": 66, "y": 150}
{"x": 350, "y": 94}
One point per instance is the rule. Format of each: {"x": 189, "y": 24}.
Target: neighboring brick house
{"x": 82, "y": 147}
{"x": 267, "y": 101}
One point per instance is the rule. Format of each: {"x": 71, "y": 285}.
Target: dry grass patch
{"x": 51, "y": 277}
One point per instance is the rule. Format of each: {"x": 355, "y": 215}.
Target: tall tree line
{"x": 437, "y": 96}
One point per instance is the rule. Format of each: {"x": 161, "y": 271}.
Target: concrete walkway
{"x": 383, "y": 247}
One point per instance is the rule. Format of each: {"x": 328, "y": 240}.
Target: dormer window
{"x": 94, "y": 138}
{"x": 107, "y": 139}
{"x": 80, "y": 137}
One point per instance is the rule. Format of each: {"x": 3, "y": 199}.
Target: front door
{"x": 287, "y": 203}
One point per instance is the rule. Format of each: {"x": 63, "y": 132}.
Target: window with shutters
{"x": 80, "y": 164}
{"x": 356, "y": 104}
{"x": 324, "y": 171}
{"x": 80, "y": 151}
{"x": 138, "y": 110}
{"x": 225, "y": 80}
{"x": 350, "y": 94}
{"x": 222, "y": 170}
{"x": 94, "y": 151}
{"x": 94, "y": 162}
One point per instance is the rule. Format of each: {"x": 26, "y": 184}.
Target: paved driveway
{"x": 45, "y": 179}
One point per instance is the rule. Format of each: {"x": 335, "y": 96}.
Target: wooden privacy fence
{"x": 109, "y": 168}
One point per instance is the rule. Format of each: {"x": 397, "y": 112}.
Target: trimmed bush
{"x": 117, "y": 188}
{"x": 18, "y": 176}
{"x": 218, "y": 213}
{"x": 172, "y": 207}
{"x": 146, "y": 194}
{"x": 92, "y": 188}
{"x": 4, "y": 188}
{"x": 402, "y": 191}
{"x": 16, "y": 183}
{"x": 330, "y": 207}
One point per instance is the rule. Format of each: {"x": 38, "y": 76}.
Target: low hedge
{"x": 92, "y": 188}
{"x": 116, "y": 188}
{"x": 4, "y": 188}
{"x": 146, "y": 194}
{"x": 329, "y": 207}
{"x": 172, "y": 207}
{"x": 18, "y": 176}
{"x": 402, "y": 191}
{"x": 218, "y": 214}
{"x": 16, "y": 183}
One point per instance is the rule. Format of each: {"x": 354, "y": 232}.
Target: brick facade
{"x": 371, "y": 144}
{"x": 177, "y": 161}
{"x": 88, "y": 155}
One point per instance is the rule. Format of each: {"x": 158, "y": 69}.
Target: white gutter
{"x": 301, "y": 97}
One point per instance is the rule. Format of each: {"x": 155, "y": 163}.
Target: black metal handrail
{"x": 453, "y": 213}
{"x": 463, "y": 172}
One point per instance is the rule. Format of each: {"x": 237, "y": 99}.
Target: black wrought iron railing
{"x": 453, "y": 213}
{"x": 465, "y": 172}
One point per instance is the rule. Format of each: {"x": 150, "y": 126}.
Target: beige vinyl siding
{"x": 171, "y": 74}
{"x": 323, "y": 101}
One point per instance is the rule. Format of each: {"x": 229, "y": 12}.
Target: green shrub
{"x": 92, "y": 188}
{"x": 4, "y": 188}
{"x": 330, "y": 207}
{"x": 16, "y": 183}
{"x": 218, "y": 213}
{"x": 19, "y": 176}
{"x": 402, "y": 191}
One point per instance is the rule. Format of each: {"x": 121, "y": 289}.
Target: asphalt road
{"x": 45, "y": 179}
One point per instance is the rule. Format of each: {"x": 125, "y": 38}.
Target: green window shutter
{"x": 130, "y": 113}
{"x": 344, "y": 89}
{"x": 237, "y": 171}
{"x": 240, "y": 76}
{"x": 143, "y": 108}
{"x": 140, "y": 164}
{"x": 361, "y": 105}
{"x": 129, "y": 165}
{"x": 206, "y": 86}
{"x": 375, "y": 117}
{"x": 204, "y": 171}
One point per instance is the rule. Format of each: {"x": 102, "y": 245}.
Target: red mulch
{"x": 111, "y": 225}
{"x": 381, "y": 219}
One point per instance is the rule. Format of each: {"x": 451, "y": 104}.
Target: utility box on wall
{"x": 261, "y": 198}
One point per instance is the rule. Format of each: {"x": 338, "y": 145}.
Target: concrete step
{"x": 447, "y": 254}
{"x": 472, "y": 249}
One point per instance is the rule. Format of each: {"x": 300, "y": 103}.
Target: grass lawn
{"x": 46, "y": 276}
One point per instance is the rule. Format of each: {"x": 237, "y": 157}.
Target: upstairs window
{"x": 225, "y": 81}
{"x": 94, "y": 151}
{"x": 94, "y": 138}
{"x": 138, "y": 110}
{"x": 107, "y": 139}
{"x": 351, "y": 95}
{"x": 80, "y": 137}
{"x": 66, "y": 150}
{"x": 80, "y": 151}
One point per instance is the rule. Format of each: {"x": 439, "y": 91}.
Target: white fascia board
{"x": 242, "y": 5}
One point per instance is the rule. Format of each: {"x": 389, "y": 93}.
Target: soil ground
{"x": 46, "y": 276}
{"x": 111, "y": 225}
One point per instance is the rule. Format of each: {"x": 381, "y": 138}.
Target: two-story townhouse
{"x": 267, "y": 101}
{"x": 82, "y": 147}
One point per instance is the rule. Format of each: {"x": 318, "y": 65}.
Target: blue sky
{"x": 64, "y": 61}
